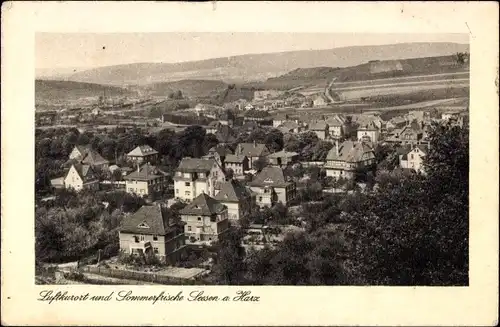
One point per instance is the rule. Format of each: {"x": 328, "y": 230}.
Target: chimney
{"x": 254, "y": 144}
{"x": 138, "y": 168}
{"x": 337, "y": 147}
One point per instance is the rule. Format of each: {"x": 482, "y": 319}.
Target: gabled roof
{"x": 283, "y": 154}
{"x": 141, "y": 151}
{"x": 368, "y": 127}
{"x": 203, "y": 205}
{"x": 214, "y": 124}
{"x": 318, "y": 125}
{"x": 146, "y": 220}
{"x": 232, "y": 158}
{"x": 321, "y": 97}
{"x": 145, "y": 173}
{"x": 350, "y": 151}
{"x": 85, "y": 172}
{"x": 335, "y": 121}
{"x": 270, "y": 176}
{"x": 90, "y": 156}
{"x": 251, "y": 149}
{"x": 289, "y": 124}
{"x": 232, "y": 191}
{"x": 196, "y": 165}
{"x": 221, "y": 150}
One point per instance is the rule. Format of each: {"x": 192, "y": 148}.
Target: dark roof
{"x": 283, "y": 154}
{"x": 225, "y": 134}
{"x": 232, "y": 191}
{"x": 234, "y": 158}
{"x": 319, "y": 125}
{"x": 270, "y": 176}
{"x": 146, "y": 220}
{"x": 221, "y": 150}
{"x": 203, "y": 205}
{"x": 196, "y": 165}
{"x": 350, "y": 151}
{"x": 146, "y": 172}
{"x": 289, "y": 124}
{"x": 90, "y": 156}
{"x": 85, "y": 171}
{"x": 251, "y": 149}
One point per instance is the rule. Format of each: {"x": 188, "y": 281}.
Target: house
{"x": 237, "y": 163}
{"x": 151, "y": 230}
{"x": 449, "y": 115}
{"x": 320, "y": 127}
{"x": 226, "y": 118}
{"x": 143, "y": 153}
{"x": 368, "y": 133}
{"x": 414, "y": 158}
{"x": 396, "y": 123}
{"x": 205, "y": 219}
{"x": 87, "y": 156}
{"x": 279, "y": 119}
{"x": 290, "y": 127}
{"x": 195, "y": 176}
{"x": 320, "y": 101}
{"x": 249, "y": 106}
{"x": 336, "y": 127}
{"x": 147, "y": 180}
{"x": 225, "y": 134}
{"x": 237, "y": 198}
{"x": 282, "y": 158}
{"x": 410, "y": 134}
{"x": 253, "y": 151}
{"x": 218, "y": 153}
{"x": 249, "y": 126}
{"x": 81, "y": 177}
{"x": 271, "y": 186}
{"x": 348, "y": 159}
{"x": 213, "y": 127}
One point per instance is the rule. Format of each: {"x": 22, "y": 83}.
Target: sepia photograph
{"x": 262, "y": 159}
{"x": 263, "y": 163}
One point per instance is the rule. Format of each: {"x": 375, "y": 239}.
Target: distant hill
{"x": 189, "y": 88}
{"x": 259, "y": 67}
{"x": 48, "y": 91}
{"x": 319, "y": 77}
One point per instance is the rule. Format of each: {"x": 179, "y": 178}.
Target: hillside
{"x": 259, "y": 67}
{"x": 318, "y": 77}
{"x": 189, "y": 88}
{"x": 66, "y": 91}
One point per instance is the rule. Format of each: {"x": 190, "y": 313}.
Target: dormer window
{"x": 143, "y": 225}
{"x": 268, "y": 180}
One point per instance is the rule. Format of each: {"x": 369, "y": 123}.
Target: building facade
{"x": 81, "y": 177}
{"x": 270, "y": 186}
{"x": 348, "y": 159}
{"x": 147, "y": 180}
{"x": 150, "y": 231}
{"x": 237, "y": 198}
{"x": 142, "y": 154}
{"x": 195, "y": 176}
{"x": 205, "y": 219}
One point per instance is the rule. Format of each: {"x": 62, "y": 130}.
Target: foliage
{"x": 413, "y": 230}
{"x": 229, "y": 266}
{"x": 260, "y": 163}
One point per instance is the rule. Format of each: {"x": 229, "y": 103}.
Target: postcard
{"x": 244, "y": 163}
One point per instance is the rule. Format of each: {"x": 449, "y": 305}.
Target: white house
{"x": 195, "y": 176}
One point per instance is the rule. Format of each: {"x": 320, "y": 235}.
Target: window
{"x": 187, "y": 193}
{"x": 142, "y": 237}
{"x": 136, "y": 239}
{"x": 199, "y": 218}
{"x": 155, "y": 237}
{"x": 176, "y": 191}
{"x": 213, "y": 219}
{"x": 260, "y": 198}
{"x": 189, "y": 228}
{"x": 187, "y": 184}
{"x": 411, "y": 156}
{"x": 155, "y": 250}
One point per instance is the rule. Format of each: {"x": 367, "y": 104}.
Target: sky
{"x": 79, "y": 50}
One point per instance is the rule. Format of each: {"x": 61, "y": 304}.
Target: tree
{"x": 274, "y": 140}
{"x": 230, "y": 266}
{"x": 260, "y": 163}
{"x": 414, "y": 231}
